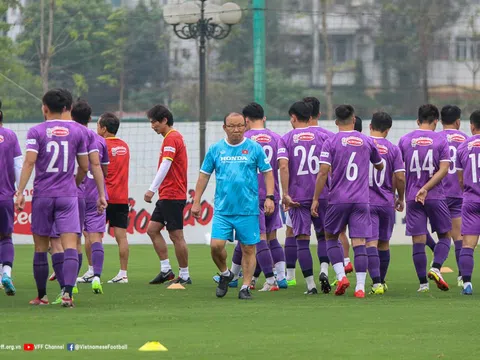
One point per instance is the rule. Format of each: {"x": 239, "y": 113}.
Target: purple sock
{"x": 80, "y": 261}
{"x": 97, "y": 258}
{"x": 264, "y": 258}
{"x": 40, "y": 272}
{"x": 360, "y": 260}
{"x": 458, "y": 248}
{"x": 322, "y": 248}
{"x": 305, "y": 257}
{"x": 441, "y": 252}
{"x": 466, "y": 264}
{"x": 374, "y": 264}
{"x": 430, "y": 242}
{"x": 70, "y": 269}
{"x": 237, "y": 255}
{"x": 384, "y": 256}
{"x": 335, "y": 251}
{"x": 258, "y": 270}
{"x": 420, "y": 262}
{"x": 276, "y": 249}
{"x": 291, "y": 252}
{"x": 57, "y": 264}
{"x": 7, "y": 253}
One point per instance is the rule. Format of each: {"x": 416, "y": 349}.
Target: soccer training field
{"x": 194, "y": 324}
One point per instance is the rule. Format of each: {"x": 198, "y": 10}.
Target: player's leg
{"x": 58, "y": 257}
{"x": 455, "y": 208}
{"x": 94, "y": 228}
{"x": 384, "y": 256}
{"x": 81, "y": 212}
{"x": 264, "y": 257}
{"x": 319, "y": 224}
{"x": 343, "y": 238}
{"x": 87, "y": 277}
{"x": 431, "y": 243}
{"x": 119, "y": 222}
{"x": 470, "y": 231}
{"x": 290, "y": 250}
{"x": 372, "y": 251}
{"x": 222, "y": 231}
{"x": 6, "y": 246}
{"x": 278, "y": 256}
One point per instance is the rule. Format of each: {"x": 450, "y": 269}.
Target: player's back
{"x": 450, "y": 182}
{"x": 118, "y": 170}
{"x": 268, "y": 140}
{"x": 349, "y": 154}
{"x": 57, "y": 143}
{"x": 422, "y": 152}
{"x": 468, "y": 159}
{"x": 302, "y": 148}
{"x": 90, "y": 186}
{"x": 9, "y": 150}
{"x": 174, "y": 186}
{"x": 381, "y": 182}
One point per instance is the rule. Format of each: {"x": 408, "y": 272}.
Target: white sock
{"x": 361, "y": 277}
{"x": 96, "y": 278}
{"x": 324, "y": 268}
{"x": 1, "y": 270}
{"x": 310, "y": 282}
{"x": 339, "y": 270}
{"x": 225, "y": 273}
{"x": 184, "y": 274}
{"x": 280, "y": 268}
{"x": 122, "y": 273}
{"x": 236, "y": 270}
{"x": 165, "y": 265}
{"x": 7, "y": 270}
{"x": 346, "y": 261}
{"x": 271, "y": 280}
{"x": 245, "y": 287}
{"x": 90, "y": 269}
{"x": 290, "y": 274}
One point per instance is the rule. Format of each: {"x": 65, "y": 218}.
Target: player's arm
{"x": 17, "y": 165}
{"x": 284, "y": 175}
{"x": 105, "y": 170}
{"x": 26, "y": 173}
{"x": 97, "y": 172}
{"x": 459, "y": 165}
{"x": 206, "y": 171}
{"x": 319, "y": 186}
{"x": 399, "y": 181}
{"x": 434, "y": 181}
{"x": 161, "y": 174}
{"x": 82, "y": 161}
{"x": 375, "y": 158}
{"x": 460, "y": 177}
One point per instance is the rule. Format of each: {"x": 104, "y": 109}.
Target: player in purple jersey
{"x": 451, "y": 125}
{"x": 427, "y": 159}
{"x": 298, "y": 156}
{"x": 349, "y": 154}
{"x": 383, "y": 186}
{"x": 52, "y": 148}
{"x": 468, "y": 167}
{"x": 10, "y": 164}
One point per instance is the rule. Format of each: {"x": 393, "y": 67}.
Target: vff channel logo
{"x": 70, "y": 347}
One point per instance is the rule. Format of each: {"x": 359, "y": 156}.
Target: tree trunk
{"x": 46, "y": 48}
{"x": 315, "y": 43}
{"x": 328, "y": 62}
{"x": 424, "y": 30}
{"x": 122, "y": 90}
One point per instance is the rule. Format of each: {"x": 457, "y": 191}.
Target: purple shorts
{"x": 383, "y": 220}
{"x": 455, "y": 207}
{"x": 94, "y": 222}
{"x": 272, "y": 222}
{"x": 6, "y": 216}
{"x": 356, "y": 216}
{"x": 471, "y": 218}
{"x": 81, "y": 214}
{"x": 302, "y": 218}
{"x": 437, "y": 213}
{"x": 55, "y": 216}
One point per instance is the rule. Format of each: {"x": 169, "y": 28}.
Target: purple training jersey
{"x": 91, "y": 147}
{"x": 302, "y": 147}
{"x": 468, "y": 160}
{"x": 349, "y": 153}
{"x": 9, "y": 150}
{"x": 90, "y": 186}
{"x": 57, "y": 142}
{"x": 422, "y": 152}
{"x": 382, "y": 192}
{"x": 269, "y": 141}
{"x": 450, "y": 183}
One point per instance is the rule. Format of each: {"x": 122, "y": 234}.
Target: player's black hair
{"x": 358, "y": 124}
{"x": 58, "y": 100}
{"x": 160, "y": 112}
{"x": 381, "y": 121}
{"x": 475, "y": 119}
{"x": 344, "y": 112}
{"x": 315, "y": 105}
{"x": 233, "y": 114}
{"x": 428, "y": 113}
{"x": 81, "y": 112}
{"x": 110, "y": 121}
{"x": 450, "y": 114}
{"x": 253, "y": 111}
{"x": 302, "y": 110}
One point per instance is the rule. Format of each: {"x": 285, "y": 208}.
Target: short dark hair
{"x": 344, "y": 112}
{"x": 302, "y": 110}
{"x": 358, "y": 124}
{"x": 253, "y": 111}
{"x": 315, "y": 105}
{"x": 81, "y": 112}
{"x": 428, "y": 113}
{"x": 475, "y": 119}
{"x": 110, "y": 121}
{"x": 232, "y": 114}
{"x": 160, "y": 112}
{"x": 381, "y": 121}
{"x": 58, "y": 100}
{"x": 450, "y": 114}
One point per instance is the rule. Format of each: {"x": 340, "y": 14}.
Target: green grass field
{"x": 194, "y": 324}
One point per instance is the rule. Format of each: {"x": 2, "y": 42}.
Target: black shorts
{"x": 169, "y": 213}
{"x": 117, "y": 215}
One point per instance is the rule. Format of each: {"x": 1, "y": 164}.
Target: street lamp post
{"x": 203, "y": 21}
